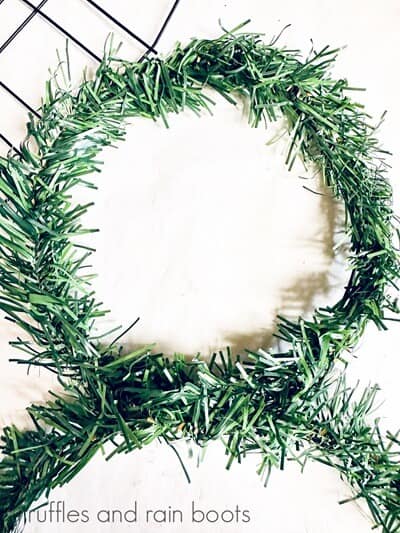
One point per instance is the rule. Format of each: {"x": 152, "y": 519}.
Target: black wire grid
{"x": 36, "y": 11}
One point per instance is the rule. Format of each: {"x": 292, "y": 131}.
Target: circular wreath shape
{"x": 276, "y": 404}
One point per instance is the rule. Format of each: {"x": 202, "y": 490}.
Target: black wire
{"x": 22, "y": 26}
{"x": 6, "y": 141}
{"x": 64, "y": 31}
{"x": 3, "y": 138}
{"x": 4, "y": 46}
{"x": 20, "y": 100}
{"x": 166, "y": 22}
{"x": 122, "y": 26}
{"x": 163, "y": 28}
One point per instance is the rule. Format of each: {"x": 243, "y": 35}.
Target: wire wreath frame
{"x": 280, "y": 405}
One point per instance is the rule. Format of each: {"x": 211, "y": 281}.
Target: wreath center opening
{"x": 205, "y": 234}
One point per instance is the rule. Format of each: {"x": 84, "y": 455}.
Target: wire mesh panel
{"x": 35, "y": 31}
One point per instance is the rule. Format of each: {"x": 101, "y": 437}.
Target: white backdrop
{"x": 206, "y": 236}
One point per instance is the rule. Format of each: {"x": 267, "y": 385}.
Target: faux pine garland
{"x": 279, "y": 405}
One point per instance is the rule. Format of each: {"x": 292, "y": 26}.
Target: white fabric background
{"x": 206, "y": 236}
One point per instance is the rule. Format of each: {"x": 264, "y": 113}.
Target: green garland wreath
{"x": 276, "y": 404}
